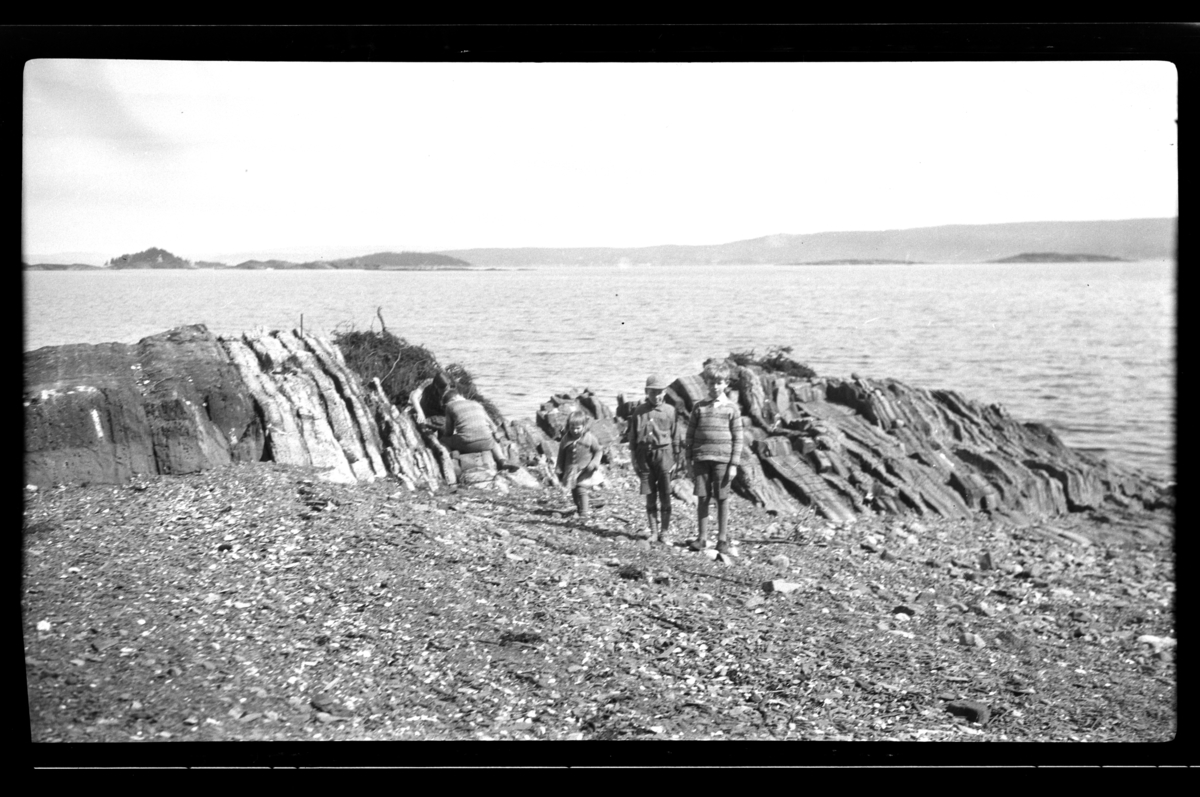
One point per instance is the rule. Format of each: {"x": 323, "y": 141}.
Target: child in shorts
{"x": 578, "y": 464}
{"x": 714, "y": 447}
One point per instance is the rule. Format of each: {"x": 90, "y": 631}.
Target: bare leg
{"x": 722, "y": 523}
{"x": 701, "y": 523}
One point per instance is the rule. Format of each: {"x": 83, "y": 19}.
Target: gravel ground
{"x": 261, "y": 603}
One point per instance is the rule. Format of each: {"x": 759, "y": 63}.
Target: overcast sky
{"x": 205, "y": 158}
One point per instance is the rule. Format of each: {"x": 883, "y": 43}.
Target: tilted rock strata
{"x": 185, "y": 401}
{"x": 845, "y": 446}
{"x": 405, "y": 452}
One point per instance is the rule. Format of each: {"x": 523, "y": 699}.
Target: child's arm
{"x": 735, "y": 431}
{"x": 449, "y": 422}
{"x": 690, "y": 440}
{"x": 597, "y": 454}
{"x": 631, "y": 439}
{"x": 560, "y": 462}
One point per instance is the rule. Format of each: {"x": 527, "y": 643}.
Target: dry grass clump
{"x": 777, "y": 358}
{"x": 401, "y": 366}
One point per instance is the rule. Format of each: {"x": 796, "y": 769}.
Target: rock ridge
{"x": 184, "y": 401}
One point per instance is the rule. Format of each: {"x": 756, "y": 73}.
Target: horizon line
{"x": 27, "y": 258}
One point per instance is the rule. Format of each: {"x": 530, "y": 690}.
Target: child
{"x": 714, "y": 447}
{"x": 469, "y": 430}
{"x": 578, "y": 463}
{"x": 651, "y": 436}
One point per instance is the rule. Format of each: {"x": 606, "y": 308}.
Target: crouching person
{"x": 469, "y": 430}
{"x": 578, "y": 465}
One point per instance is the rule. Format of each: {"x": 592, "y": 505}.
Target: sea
{"x": 1086, "y": 348}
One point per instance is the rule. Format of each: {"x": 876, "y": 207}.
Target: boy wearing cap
{"x": 651, "y": 436}
{"x": 714, "y": 447}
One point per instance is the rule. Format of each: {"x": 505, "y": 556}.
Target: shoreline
{"x": 258, "y": 602}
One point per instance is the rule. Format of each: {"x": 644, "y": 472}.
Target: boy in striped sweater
{"x": 714, "y": 447}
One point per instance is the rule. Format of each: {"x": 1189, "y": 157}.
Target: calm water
{"x": 1088, "y": 348}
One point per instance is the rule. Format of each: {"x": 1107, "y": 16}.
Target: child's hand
{"x": 730, "y": 474}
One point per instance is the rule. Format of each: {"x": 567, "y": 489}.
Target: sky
{"x": 206, "y": 159}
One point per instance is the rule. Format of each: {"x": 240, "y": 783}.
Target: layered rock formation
{"x": 185, "y": 401}
{"x": 172, "y": 403}
{"x": 845, "y": 446}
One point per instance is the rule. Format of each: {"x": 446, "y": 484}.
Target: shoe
{"x": 724, "y": 548}
{"x": 697, "y": 545}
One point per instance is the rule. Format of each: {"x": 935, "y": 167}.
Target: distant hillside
{"x": 1057, "y": 257}
{"x": 151, "y": 258}
{"x": 855, "y": 262}
{"x": 58, "y": 267}
{"x": 73, "y": 258}
{"x": 386, "y": 260}
{"x": 381, "y": 261}
{"x": 1131, "y": 239}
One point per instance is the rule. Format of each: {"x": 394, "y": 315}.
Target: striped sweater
{"x": 469, "y": 420}
{"x": 715, "y": 432}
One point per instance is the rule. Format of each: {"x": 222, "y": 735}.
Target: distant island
{"x": 151, "y": 258}
{"x": 853, "y": 261}
{"x": 1124, "y": 240}
{"x": 155, "y": 258}
{"x": 1058, "y": 257}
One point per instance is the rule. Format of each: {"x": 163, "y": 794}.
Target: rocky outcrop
{"x": 185, "y": 401}
{"x": 405, "y": 452}
{"x": 171, "y": 403}
{"x": 847, "y": 446}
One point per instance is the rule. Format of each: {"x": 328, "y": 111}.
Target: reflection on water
{"x": 1088, "y": 348}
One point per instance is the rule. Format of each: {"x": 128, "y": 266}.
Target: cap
{"x": 657, "y": 382}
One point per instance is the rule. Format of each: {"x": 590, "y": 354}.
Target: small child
{"x": 714, "y": 449}
{"x": 578, "y": 465}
